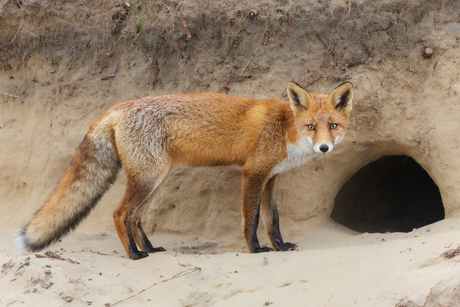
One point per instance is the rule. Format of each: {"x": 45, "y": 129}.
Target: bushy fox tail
{"x": 93, "y": 168}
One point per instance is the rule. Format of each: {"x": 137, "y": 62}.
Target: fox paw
{"x": 263, "y": 249}
{"x": 156, "y": 250}
{"x": 139, "y": 255}
{"x": 287, "y": 246}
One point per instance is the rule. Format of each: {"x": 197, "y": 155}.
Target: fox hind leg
{"x": 138, "y": 191}
{"x": 135, "y": 195}
{"x": 139, "y": 235}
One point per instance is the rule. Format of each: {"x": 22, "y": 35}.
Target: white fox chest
{"x": 298, "y": 154}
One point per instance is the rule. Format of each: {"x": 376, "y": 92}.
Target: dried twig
{"x": 170, "y": 13}
{"x": 11, "y": 95}
{"x": 257, "y": 48}
{"x": 14, "y": 36}
{"x": 26, "y": 263}
{"x": 313, "y": 81}
{"x": 33, "y": 34}
{"x": 182, "y": 19}
{"x": 51, "y": 255}
{"x": 107, "y": 77}
{"x": 360, "y": 62}
{"x": 178, "y": 275}
{"x": 329, "y": 299}
{"x": 266, "y": 36}
{"x": 19, "y": 28}
{"x": 321, "y": 40}
{"x": 355, "y": 63}
{"x": 426, "y": 9}
{"x": 328, "y": 47}
{"x": 414, "y": 72}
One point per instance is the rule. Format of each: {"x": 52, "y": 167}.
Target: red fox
{"x": 148, "y": 136}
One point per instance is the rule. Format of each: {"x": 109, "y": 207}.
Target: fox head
{"x": 320, "y": 118}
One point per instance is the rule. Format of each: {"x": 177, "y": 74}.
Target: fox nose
{"x": 324, "y": 148}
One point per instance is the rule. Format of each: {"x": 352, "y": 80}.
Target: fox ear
{"x": 299, "y": 97}
{"x": 341, "y": 97}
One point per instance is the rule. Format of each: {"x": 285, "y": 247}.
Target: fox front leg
{"x": 271, "y": 218}
{"x": 252, "y": 196}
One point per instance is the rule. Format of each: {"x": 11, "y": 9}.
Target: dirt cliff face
{"x": 64, "y": 64}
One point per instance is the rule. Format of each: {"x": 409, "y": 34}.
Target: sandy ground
{"x": 332, "y": 267}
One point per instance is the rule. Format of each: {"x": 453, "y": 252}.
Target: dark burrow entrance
{"x": 392, "y": 194}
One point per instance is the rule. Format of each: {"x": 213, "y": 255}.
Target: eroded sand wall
{"x": 53, "y": 58}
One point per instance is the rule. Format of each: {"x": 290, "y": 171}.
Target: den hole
{"x": 391, "y": 194}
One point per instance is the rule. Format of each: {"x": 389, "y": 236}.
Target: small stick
{"x": 313, "y": 81}
{"x": 182, "y": 19}
{"x": 329, "y": 49}
{"x": 107, "y": 77}
{"x": 14, "y": 36}
{"x": 355, "y": 63}
{"x": 257, "y": 48}
{"x": 33, "y": 34}
{"x": 178, "y": 275}
{"x": 266, "y": 36}
{"x": 170, "y": 13}
{"x": 10, "y": 95}
{"x": 51, "y": 255}
{"x": 414, "y": 72}
{"x": 426, "y": 9}
{"x": 329, "y": 299}
{"x": 318, "y": 37}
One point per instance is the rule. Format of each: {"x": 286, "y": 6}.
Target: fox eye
{"x": 311, "y": 127}
{"x": 333, "y": 126}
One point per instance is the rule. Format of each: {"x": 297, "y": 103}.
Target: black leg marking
{"x": 133, "y": 251}
{"x": 255, "y": 240}
{"x": 146, "y": 244}
{"x": 284, "y": 246}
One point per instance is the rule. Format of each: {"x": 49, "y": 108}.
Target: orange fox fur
{"x": 148, "y": 136}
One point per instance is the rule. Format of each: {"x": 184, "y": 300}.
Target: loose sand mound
{"x": 64, "y": 64}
